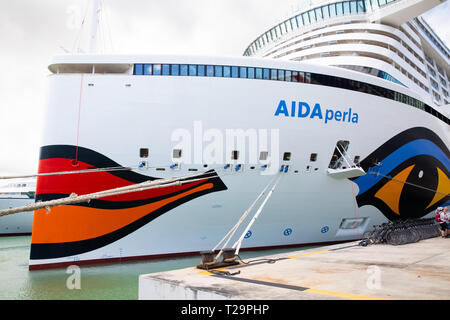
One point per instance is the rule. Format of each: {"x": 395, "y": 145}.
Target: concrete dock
{"x": 346, "y": 271}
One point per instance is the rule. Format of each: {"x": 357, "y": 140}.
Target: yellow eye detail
{"x": 443, "y": 188}
{"x": 390, "y": 193}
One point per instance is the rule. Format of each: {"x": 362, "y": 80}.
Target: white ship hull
{"x": 119, "y": 114}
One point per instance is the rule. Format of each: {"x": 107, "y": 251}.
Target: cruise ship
{"x": 17, "y": 193}
{"x": 341, "y": 108}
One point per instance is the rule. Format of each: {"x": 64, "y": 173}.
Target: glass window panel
{"x": 325, "y": 12}
{"x": 157, "y": 69}
{"x": 288, "y": 75}
{"x": 192, "y": 70}
{"x": 299, "y": 20}
{"x": 346, "y": 5}
{"x": 201, "y": 70}
{"x": 295, "y": 77}
{"x": 166, "y": 69}
{"x": 301, "y": 77}
{"x": 258, "y": 73}
{"x": 242, "y": 72}
{"x": 184, "y": 70}
{"x": 332, "y": 9}
{"x": 148, "y": 68}
{"x": 353, "y": 6}
{"x": 306, "y": 18}
{"x": 218, "y": 71}
{"x": 294, "y": 23}
{"x": 273, "y": 34}
{"x": 280, "y": 75}
{"x": 288, "y": 26}
{"x": 251, "y": 73}
{"x": 283, "y": 28}
{"x": 138, "y": 69}
{"x": 175, "y": 70}
{"x": 318, "y": 13}
{"x": 277, "y": 31}
{"x": 267, "y": 37}
{"x": 210, "y": 71}
{"x": 266, "y": 74}
{"x": 339, "y": 10}
{"x": 227, "y": 71}
{"x": 381, "y": 2}
{"x": 307, "y": 77}
{"x": 273, "y": 74}
{"x": 312, "y": 16}
{"x": 234, "y": 72}
{"x": 360, "y": 6}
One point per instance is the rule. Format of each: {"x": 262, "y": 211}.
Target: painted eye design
{"x": 408, "y": 176}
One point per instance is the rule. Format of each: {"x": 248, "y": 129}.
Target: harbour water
{"x": 118, "y": 281}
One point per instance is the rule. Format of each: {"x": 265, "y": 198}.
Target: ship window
{"x": 288, "y": 25}
{"x": 319, "y": 13}
{"x": 226, "y": 71}
{"x": 299, "y": 20}
{"x": 234, "y": 72}
{"x": 263, "y": 155}
{"x": 356, "y": 159}
{"x": 307, "y": 77}
{"x": 175, "y": 70}
{"x": 251, "y": 73}
{"x": 157, "y": 69}
{"x": 332, "y": 8}
{"x": 288, "y": 75}
{"x": 286, "y": 156}
{"x": 234, "y": 155}
{"x": 346, "y": 5}
{"x": 361, "y": 6}
{"x": 176, "y": 153}
{"x": 313, "y": 157}
{"x": 192, "y": 70}
{"x": 281, "y": 75}
{"x": 266, "y": 74}
{"x": 259, "y": 73}
{"x": 183, "y": 70}
{"x": 312, "y": 16}
{"x": 295, "y": 76}
{"x": 148, "y": 69}
{"x": 201, "y": 70}
{"x": 325, "y": 12}
{"x": 210, "y": 71}
{"x": 339, "y": 10}
{"x": 242, "y": 72}
{"x": 165, "y": 69}
{"x": 305, "y": 17}
{"x": 143, "y": 152}
{"x": 353, "y": 6}
{"x": 218, "y": 72}
{"x": 273, "y": 74}
{"x": 138, "y": 69}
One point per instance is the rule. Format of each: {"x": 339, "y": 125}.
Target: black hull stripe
{"x": 92, "y": 158}
{"x": 58, "y": 250}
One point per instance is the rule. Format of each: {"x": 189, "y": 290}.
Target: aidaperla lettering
{"x": 302, "y": 109}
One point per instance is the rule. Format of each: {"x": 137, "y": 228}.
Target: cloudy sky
{"x": 32, "y": 31}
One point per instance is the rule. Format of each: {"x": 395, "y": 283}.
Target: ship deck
{"x": 344, "y": 271}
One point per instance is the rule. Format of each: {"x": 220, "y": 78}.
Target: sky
{"x": 32, "y": 31}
